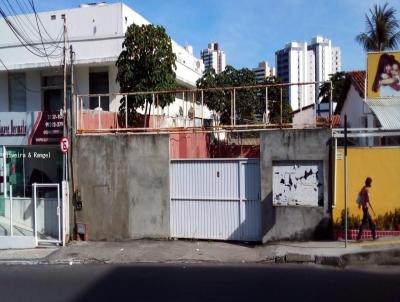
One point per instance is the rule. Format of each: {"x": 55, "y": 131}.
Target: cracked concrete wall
{"x": 294, "y": 222}
{"x": 124, "y": 184}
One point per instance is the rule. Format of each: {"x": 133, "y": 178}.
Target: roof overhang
{"x": 387, "y": 111}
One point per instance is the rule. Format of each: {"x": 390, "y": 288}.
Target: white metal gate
{"x": 216, "y": 199}
{"x": 47, "y": 221}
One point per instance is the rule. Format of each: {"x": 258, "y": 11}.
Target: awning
{"x": 387, "y": 111}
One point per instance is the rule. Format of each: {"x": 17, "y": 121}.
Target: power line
{"x": 40, "y": 34}
{"x": 18, "y": 28}
{"x": 18, "y": 80}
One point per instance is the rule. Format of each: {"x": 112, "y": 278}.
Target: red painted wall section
{"x": 188, "y": 145}
{"x": 199, "y": 145}
{"x": 92, "y": 120}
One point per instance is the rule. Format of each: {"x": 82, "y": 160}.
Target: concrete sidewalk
{"x": 382, "y": 251}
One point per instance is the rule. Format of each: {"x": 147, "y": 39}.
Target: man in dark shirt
{"x": 365, "y": 204}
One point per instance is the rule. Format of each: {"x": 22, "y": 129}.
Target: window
{"x": 28, "y": 165}
{"x": 17, "y": 92}
{"x": 98, "y": 84}
{"x": 53, "y": 92}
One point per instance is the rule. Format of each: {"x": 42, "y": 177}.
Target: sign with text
{"x": 383, "y": 74}
{"x": 30, "y": 128}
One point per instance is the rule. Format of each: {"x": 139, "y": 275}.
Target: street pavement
{"x": 196, "y": 282}
{"x": 384, "y": 251}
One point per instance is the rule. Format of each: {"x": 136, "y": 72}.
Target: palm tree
{"x": 382, "y": 29}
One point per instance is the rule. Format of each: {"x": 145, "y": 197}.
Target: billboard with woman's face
{"x": 383, "y": 74}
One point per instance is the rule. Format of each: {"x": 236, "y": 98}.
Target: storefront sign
{"x": 49, "y": 129}
{"x": 12, "y": 128}
{"x": 30, "y": 128}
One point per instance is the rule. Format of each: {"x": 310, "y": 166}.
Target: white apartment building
{"x": 263, "y": 70}
{"x": 301, "y": 63}
{"x": 214, "y": 57}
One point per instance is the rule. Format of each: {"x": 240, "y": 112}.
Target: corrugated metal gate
{"x": 216, "y": 199}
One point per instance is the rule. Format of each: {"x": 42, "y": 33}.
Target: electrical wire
{"x": 21, "y": 83}
{"x": 20, "y": 30}
{"x": 40, "y": 33}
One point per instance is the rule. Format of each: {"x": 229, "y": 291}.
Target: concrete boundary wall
{"x": 294, "y": 222}
{"x": 124, "y": 185}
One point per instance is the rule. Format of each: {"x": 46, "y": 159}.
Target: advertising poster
{"x": 383, "y": 75}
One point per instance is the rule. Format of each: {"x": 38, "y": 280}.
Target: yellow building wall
{"x": 382, "y": 165}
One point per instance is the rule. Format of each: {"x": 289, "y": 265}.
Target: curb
{"x": 388, "y": 257}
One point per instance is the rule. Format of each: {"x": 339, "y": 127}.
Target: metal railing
{"x": 108, "y": 113}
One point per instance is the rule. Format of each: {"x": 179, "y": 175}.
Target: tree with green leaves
{"x": 338, "y": 80}
{"x": 146, "y": 63}
{"x": 220, "y": 100}
{"x": 275, "y": 95}
{"x": 382, "y": 29}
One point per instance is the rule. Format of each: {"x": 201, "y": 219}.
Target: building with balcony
{"x": 32, "y": 88}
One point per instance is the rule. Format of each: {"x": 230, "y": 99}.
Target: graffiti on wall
{"x": 297, "y": 183}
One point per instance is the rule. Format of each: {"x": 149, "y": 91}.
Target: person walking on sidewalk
{"x": 365, "y": 204}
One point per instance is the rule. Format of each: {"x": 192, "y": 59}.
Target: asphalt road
{"x": 197, "y": 282}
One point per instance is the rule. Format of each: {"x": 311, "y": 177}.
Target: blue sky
{"x": 250, "y": 31}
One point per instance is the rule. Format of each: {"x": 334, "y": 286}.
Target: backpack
{"x": 360, "y": 199}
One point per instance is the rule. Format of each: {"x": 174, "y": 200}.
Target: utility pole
{"x": 65, "y": 177}
{"x": 71, "y": 113}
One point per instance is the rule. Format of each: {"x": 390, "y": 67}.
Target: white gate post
{"x": 34, "y": 214}
{"x": 11, "y": 212}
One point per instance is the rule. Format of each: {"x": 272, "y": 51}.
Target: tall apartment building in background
{"x": 300, "y": 63}
{"x": 213, "y": 57}
{"x": 263, "y": 71}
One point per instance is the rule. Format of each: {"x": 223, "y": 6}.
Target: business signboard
{"x": 30, "y": 128}
{"x": 383, "y": 74}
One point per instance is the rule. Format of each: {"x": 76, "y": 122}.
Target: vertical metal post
{"x": 34, "y": 213}
{"x": 126, "y": 111}
{"x": 59, "y": 209}
{"x": 5, "y": 171}
{"x": 202, "y": 104}
{"x": 345, "y": 179}
{"x": 194, "y": 109}
{"x": 66, "y": 167}
{"x": 72, "y": 97}
{"x": 11, "y": 212}
{"x": 266, "y": 105}
{"x": 81, "y": 114}
{"x": 241, "y": 216}
{"x": 281, "y": 107}
{"x": 184, "y": 109}
{"x": 335, "y": 173}
{"x": 98, "y": 110}
{"x": 116, "y": 117}
{"x": 331, "y": 104}
{"x": 234, "y": 107}
{"x": 153, "y": 102}
{"x": 168, "y": 108}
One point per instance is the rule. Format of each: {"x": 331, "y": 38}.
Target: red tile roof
{"x": 357, "y": 78}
